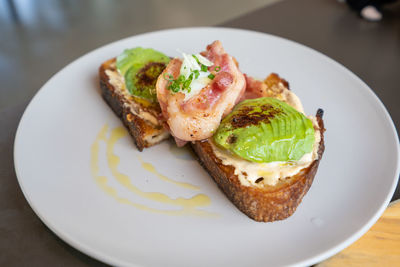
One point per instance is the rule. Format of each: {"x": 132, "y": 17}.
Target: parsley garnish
{"x": 182, "y": 83}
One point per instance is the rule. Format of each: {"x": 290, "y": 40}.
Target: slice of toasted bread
{"x": 140, "y": 116}
{"x": 269, "y": 203}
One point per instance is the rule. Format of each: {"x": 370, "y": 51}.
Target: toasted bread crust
{"x": 138, "y": 128}
{"x": 266, "y": 204}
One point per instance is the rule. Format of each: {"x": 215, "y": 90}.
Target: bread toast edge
{"x": 261, "y": 204}
{"x": 136, "y": 126}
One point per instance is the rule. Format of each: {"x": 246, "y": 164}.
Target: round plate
{"x": 85, "y": 179}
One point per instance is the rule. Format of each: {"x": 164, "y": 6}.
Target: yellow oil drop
{"x": 113, "y": 161}
{"x": 188, "y": 205}
{"x": 150, "y": 168}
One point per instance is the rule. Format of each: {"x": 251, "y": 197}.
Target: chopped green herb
{"x": 182, "y": 83}
{"x": 181, "y": 79}
{"x": 196, "y": 74}
{"x": 186, "y": 84}
{"x": 174, "y": 87}
{"x": 198, "y": 61}
{"x": 168, "y": 77}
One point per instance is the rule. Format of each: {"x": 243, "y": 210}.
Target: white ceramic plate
{"x": 104, "y": 212}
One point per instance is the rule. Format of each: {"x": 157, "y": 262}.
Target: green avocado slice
{"x": 266, "y": 130}
{"x": 141, "y": 68}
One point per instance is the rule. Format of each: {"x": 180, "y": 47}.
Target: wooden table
{"x": 29, "y": 55}
{"x": 380, "y": 246}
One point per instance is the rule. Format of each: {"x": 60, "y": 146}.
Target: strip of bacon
{"x": 199, "y": 116}
{"x": 272, "y": 86}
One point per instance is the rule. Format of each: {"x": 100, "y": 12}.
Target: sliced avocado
{"x": 266, "y": 130}
{"x": 141, "y": 68}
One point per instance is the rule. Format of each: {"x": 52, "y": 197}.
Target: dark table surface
{"x": 370, "y": 50}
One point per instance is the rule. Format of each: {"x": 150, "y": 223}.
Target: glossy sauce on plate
{"x": 188, "y": 206}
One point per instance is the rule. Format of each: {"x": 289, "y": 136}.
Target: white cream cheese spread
{"x": 262, "y": 174}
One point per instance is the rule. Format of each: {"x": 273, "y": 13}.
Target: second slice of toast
{"x": 140, "y": 116}
{"x": 269, "y": 203}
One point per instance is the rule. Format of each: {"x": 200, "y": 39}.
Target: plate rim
{"x": 110, "y": 259}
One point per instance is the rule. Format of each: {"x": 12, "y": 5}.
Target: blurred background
{"x": 33, "y": 33}
{"x": 46, "y": 35}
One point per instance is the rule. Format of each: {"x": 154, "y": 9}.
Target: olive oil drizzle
{"x": 188, "y": 206}
{"x": 150, "y": 168}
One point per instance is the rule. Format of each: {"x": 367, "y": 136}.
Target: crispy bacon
{"x": 199, "y": 116}
{"x": 272, "y": 86}
{"x": 254, "y": 88}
